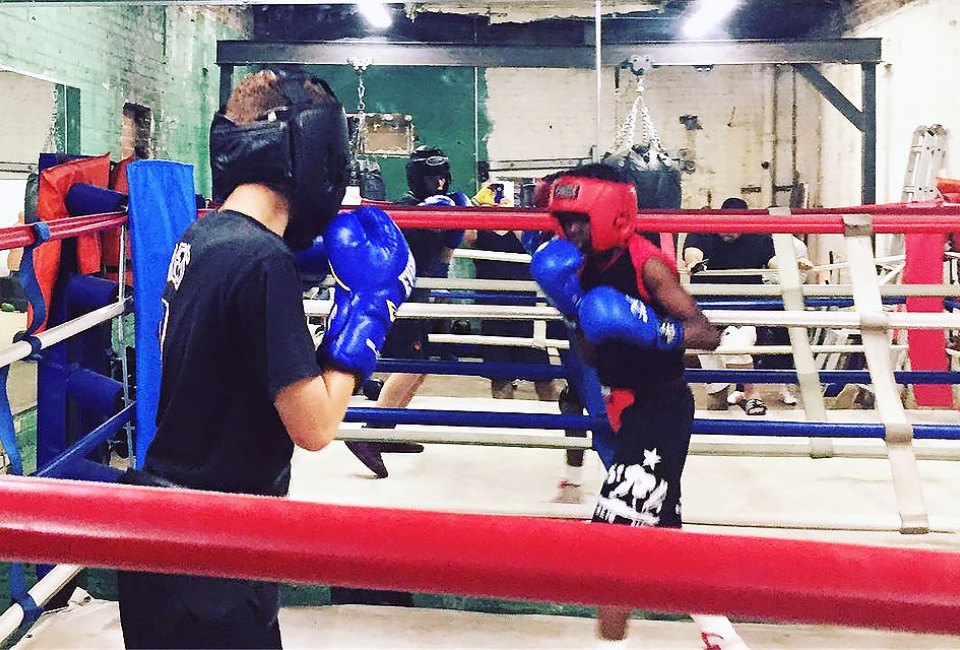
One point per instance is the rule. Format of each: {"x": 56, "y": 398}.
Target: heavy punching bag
{"x": 654, "y": 174}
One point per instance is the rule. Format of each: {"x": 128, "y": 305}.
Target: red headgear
{"x": 610, "y": 206}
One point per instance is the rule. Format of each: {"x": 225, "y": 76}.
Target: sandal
{"x": 754, "y": 406}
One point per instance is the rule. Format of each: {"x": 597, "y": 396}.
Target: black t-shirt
{"x": 621, "y": 364}
{"x": 234, "y": 335}
{"x": 508, "y": 242}
{"x": 427, "y": 246}
{"x": 748, "y": 251}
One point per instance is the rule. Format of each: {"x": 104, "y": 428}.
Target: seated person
{"x": 725, "y": 251}
{"x": 728, "y": 251}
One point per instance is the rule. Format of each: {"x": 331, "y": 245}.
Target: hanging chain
{"x": 360, "y": 137}
{"x": 361, "y": 91}
{"x": 627, "y": 132}
{"x": 54, "y": 139}
{"x": 650, "y": 134}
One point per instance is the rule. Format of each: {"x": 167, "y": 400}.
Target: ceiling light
{"x": 708, "y": 16}
{"x": 375, "y": 13}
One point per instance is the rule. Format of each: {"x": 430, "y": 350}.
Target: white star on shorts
{"x": 650, "y": 458}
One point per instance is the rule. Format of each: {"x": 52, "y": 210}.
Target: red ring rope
{"x": 184, "y": 531}
{"x": 892, "y": 218}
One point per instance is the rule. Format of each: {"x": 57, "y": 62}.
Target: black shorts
{"x": 177, "y": 611}
{"x": 773, "y": 336}
{"x": 511, "y": 354}
{"x": 406, "y": 340}
{"x": 642, "y": 487}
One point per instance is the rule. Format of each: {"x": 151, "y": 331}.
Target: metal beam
{"x": 869, "y": 155}
{"x": 832, "y": 94}
{"x": 226, "y": 83}
{"x": 865, "y": 50}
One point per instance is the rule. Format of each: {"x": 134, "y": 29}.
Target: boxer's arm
{"x": 312, "y": 409}
{"x": 674, "y": 301}
{"x": 277, "y": 349}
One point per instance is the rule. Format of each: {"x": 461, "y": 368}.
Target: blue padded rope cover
{"x": 587, "y": 384}
{"x": 31, "y": 288}
{"x": 162, "y": 205}
{"x": 28, "y": 278}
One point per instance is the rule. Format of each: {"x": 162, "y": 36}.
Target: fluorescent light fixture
{"x": 375, "y": 13}
{"x": 708, "y": 15}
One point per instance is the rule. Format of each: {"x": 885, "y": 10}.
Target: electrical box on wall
{"x": 382, "y": 134}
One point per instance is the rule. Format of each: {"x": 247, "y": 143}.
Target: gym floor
{"x": 795, "y": 497}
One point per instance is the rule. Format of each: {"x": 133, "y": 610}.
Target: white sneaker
{"x": 787, "y": 396}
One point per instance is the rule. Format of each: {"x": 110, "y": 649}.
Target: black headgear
{"x": 427, "y": 161}
{"x": 300, "y": 149}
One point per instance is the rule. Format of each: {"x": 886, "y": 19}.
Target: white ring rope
{"x": 718, "y": 290}
{"x": 22, "y": 350}
{"x": 836, "y": 319}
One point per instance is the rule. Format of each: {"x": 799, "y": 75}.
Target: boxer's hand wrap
{"x": 606, "y": 314}
{"x": 556, "y": 268}
{"x": 374, "y": 270}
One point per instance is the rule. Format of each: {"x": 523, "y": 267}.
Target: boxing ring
{"x": 539, "y": 558}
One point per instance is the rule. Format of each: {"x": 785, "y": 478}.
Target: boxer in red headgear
{"x": 635, "y": 320}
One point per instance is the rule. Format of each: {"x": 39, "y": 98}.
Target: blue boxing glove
{"x": 556, "y": 268}
{"x": 313, "y": 260}
{"x": 460, "y": 199}
{"x": 451, "y": 238}
{"x": 375, "y": 272}
{"x": 437, "y": 200}
{"x": 606, "y": 314}
{"x": 531, "y": 240}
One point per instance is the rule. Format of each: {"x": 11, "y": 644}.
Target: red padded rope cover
{"x": 886, "y": 219}
{"x": 929, "y": 219}
{"x": 184, "y": 531}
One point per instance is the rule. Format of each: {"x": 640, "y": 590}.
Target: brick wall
{"x": 550, "y": 113}
{"x": 162, "y": 58}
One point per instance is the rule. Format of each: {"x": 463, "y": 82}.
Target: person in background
{"x": 428, "y": 184}
{"x": 729, "y": 251}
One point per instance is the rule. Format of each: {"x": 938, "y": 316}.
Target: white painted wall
{"x": 26, "y": 113}
{"x": 551, "y": 113}
{"x": 915, "y": 86}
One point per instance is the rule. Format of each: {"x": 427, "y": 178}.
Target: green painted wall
{"x": 159, "y": 57}
{"x": 441, "y": 100}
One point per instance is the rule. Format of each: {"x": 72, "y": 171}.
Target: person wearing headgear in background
{"x": 241, "y": 382}
{"x": 727, "y": 251}
{"x": 634, "y": 321}
{"x": 428, "y": 183}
